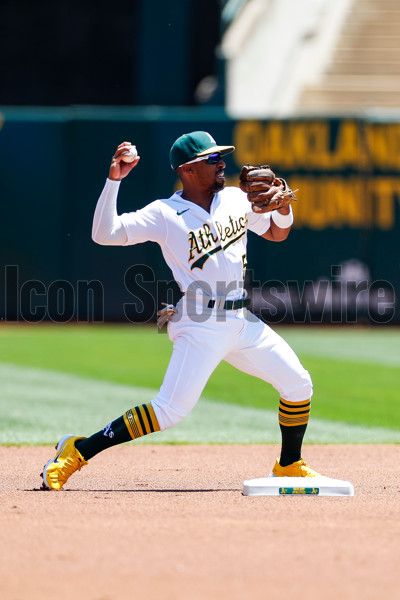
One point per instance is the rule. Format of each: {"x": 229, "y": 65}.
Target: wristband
{"x": 283, "y": 221}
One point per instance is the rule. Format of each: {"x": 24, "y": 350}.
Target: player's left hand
{"x": 120, "y": 169}
{"x": 265, "y": 191}
{"x": 274, "y": 199}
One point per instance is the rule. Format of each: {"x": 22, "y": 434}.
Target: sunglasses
{"x": 211, "y": 159}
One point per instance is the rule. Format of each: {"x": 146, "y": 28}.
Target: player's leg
{"x": 261, "y": 352}
{"x": 74, "y": 452}
{"x": 191, "y": 364}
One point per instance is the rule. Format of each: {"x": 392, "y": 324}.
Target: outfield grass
{"x": 356, "y": 372}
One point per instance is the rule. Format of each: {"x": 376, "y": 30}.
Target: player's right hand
{"x": 120, "y": 169}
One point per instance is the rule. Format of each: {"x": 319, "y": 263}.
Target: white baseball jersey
{"x": 206, "y": 248}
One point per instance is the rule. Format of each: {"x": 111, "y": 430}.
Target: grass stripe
{"x": 370, "y": 345}
{"x": 39, "y": 406}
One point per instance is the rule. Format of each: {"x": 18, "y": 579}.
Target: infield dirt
{"x": 171, "y": 523}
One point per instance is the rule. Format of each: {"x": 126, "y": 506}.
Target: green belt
{"x": 231, "y": 304}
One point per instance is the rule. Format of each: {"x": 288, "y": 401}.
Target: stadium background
{"x": 111, "y": 81}
{"x": 65, "y": 109}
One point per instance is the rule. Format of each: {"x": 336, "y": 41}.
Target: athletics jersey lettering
{"x": 203, "y": 243}
{"x": 233, "y": 227}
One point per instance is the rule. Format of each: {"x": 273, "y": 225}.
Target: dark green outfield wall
{"x": 53, "y": 166}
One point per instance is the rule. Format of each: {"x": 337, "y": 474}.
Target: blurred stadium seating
{"x": 286, "y": 58}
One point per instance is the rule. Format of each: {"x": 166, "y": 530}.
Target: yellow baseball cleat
{"x": 67, "y": 460}
{"x": 297, "y": 469}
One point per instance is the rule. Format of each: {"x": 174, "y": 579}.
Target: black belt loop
{"x": 231, "y": 304}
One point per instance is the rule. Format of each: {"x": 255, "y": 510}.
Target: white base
{"x": 299, "y": 486}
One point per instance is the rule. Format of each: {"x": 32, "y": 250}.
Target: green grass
{"x": 130, "y": 354}
{"x": 356, "y": 372}
{"x": 38, "y": 406}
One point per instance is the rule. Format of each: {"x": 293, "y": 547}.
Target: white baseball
{"x": 129, "y": 155}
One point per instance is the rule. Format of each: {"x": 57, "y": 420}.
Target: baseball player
{"x": 202, "y": 231}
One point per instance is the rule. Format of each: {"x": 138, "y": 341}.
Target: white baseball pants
{"x": 239, "y": 338}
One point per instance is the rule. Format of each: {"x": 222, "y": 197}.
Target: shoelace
{"x": 304, "y": 467}
{"x": 69, "y": 463}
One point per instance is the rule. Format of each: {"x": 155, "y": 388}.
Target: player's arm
{"x": 280, "y": 224}
{"x": 108, "y": 229}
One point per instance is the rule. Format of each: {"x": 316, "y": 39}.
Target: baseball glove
{"x": 265, "y": 191}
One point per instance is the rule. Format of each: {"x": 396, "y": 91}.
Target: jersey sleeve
{"x": 258, "y": 223}
{"x": 145, "y": 225}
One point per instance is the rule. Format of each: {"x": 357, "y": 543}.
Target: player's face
{"x": 210, "y": 176}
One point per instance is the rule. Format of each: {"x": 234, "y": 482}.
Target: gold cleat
{"x": 297, "y": 469}
{"x": 60, "y": 468}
